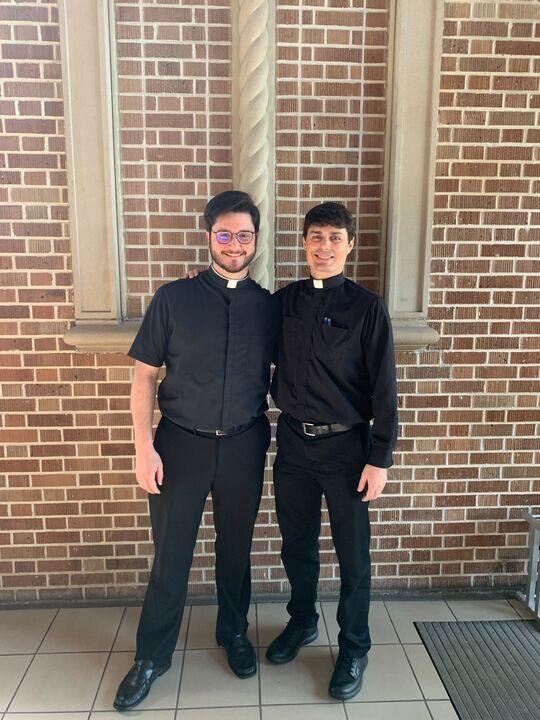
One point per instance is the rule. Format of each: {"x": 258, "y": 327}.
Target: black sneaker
{"x": 286, "y": 646}
{"x": 241, "y": 656}
{"x": 347, "y": 677}
{"x": 136, "y": 684}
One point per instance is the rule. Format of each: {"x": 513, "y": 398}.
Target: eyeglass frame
{"x": 252, "y": 233}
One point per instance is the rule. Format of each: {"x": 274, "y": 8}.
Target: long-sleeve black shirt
{"x": 216, "y": 339}
{"x": 335, "y": 359}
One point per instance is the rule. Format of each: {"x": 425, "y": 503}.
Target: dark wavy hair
{"x": 230, "y": 201}
{"x": 330, "y": 213}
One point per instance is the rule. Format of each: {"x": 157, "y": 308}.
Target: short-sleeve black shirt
{"x": 335, "y": 360}
{"x": 216, "y": 343}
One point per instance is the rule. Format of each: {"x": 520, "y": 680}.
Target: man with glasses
{"x": 335, "y": 372}
{"x": 215, "y": 333}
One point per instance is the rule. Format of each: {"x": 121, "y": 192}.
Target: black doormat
{"x": 491, "y": 670}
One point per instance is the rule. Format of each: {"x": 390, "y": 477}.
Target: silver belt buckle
{"x": 220, "y": 432}
{"x": 304, "y": 427}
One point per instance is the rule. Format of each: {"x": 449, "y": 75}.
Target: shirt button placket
{"x": 230, "y": 365}
{"x": 312, "y": 315}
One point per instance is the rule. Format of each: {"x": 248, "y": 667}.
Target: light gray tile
{"x": 381, "y": 629}
{"x": 202, "y": 627}
{"x": 483, "y": 610}
{"x": 76, "y": 679}
{"x": 388, "y": 711}
{"x": 207, "y": 681}
{"x": 442, "y": 710}
{"x": 272, "y": 619}
{"x": 21, "y": 631}
{"x": 163, "y": 692}
{"x": 46, "y": 716}
{"x": 329, "y": 609}
{"x": 304, "y": 680}
{"x": 82, "y": 629}
{"x": 127, "y": 635}
{"x": 304, "y": 712}
{"x": 522, "y": 610}
{"x": 425, "y": 672}
{"x": 135, "y": 714}
{"x": 12, "y": 668}
{"x": 380, "y": 625}
{"x": 234, "y": 713}
{"x": 388, "y": 676}
{"x": 404, "y": 613}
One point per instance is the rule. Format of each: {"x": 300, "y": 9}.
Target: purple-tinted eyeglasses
{"x": 244, "y": 237}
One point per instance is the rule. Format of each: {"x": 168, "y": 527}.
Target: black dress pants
{"x": 231, "y": 469}
{"x": 304, "y": 470}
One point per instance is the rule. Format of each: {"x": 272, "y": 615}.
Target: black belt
{"x": 234, "y": 430}
{"x": 316, "y": 429}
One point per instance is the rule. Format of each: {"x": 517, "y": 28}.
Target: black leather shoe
{"x": 241, "y": 656}
{"x": 136, "y": 684}
{"x": 286, "y": 646}
{"x": 347, "y": 677}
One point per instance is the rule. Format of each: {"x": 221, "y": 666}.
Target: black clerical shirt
{"x": 335, "y": 359}
{"x": 216, "y": 338}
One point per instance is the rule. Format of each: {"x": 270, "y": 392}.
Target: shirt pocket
{"x": 334, "y": 341}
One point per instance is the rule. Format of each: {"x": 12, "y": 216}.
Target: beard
{"x": 232, "y": 265}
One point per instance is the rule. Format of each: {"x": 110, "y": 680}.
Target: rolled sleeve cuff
{"x": 136, "y": 355}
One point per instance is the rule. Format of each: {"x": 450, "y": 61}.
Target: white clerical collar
{"x": 228, "y": 282}
{"x": 328, "y": 283}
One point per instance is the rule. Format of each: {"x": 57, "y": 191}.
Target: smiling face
{"x": 232, "y": 258}
{"x": 327, "y": 248}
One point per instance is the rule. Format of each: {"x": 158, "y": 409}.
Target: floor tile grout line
{"x": 407, "y": 657}
{"x": 414, "y": 672}
{"x": 393, "y": 624}
{"x": 323, "y": 611}
{"x": 210, "y": 647}
{"x": 259, "y": 669}
{"x": 206, "y": 707}
{"x": 431, "y": 715}
{"x": 351, "y": 702}
{"x": 31, "y": 661}
{"x": 260, "y": 647}
{"x": 506, "y": 600}
{"x": 188, "y": 625}
{"x": 57, "y": 713}
{"x": 401, "y": 644}
{"x": 107, "y": 661}
{"x": 325, "y": 623}
{"x": 451, "y": 611}
{"x": 355, "y": 703}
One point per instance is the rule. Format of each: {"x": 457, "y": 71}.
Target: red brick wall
{"x": 331, "y": 115}
{"x": 470, "y": 432}
{"x": 72, "y": 523}
{"x": 175, "y": 132}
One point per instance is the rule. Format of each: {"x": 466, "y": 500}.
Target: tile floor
{"x": 66, "y": 664}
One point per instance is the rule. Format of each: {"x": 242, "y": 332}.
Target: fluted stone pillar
{"x": 253, "y": 110}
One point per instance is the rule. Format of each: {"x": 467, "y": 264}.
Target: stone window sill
{"x": 409, "y": 335}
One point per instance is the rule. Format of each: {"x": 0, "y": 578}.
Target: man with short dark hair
{"x": 335, "y": 372}
{"x": 216, "y": 334}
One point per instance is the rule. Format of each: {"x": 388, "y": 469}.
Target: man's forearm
{"x": 143, "y": 396}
